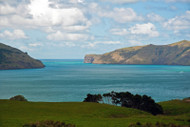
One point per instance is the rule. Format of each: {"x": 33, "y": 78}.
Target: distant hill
{"x": 12, "y": 58}
{"x": 172, "y": 54}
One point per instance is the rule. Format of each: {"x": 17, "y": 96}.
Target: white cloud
{"x": 177, "y": 0}
{"x": 58, "y": 36}
{"x": 133, "y": 1}
{"x": 44, "y": 15}
{"x": 63, "y": 44}
{"x": 178, "y": 23}
{"x": 15, "y": 34}
{"x": 49, "y": 29}
{"x": 76, "y": 1}
{"x": 139, "y": 29}
{"x": 94, "y": 44}
{"x": 4, "y": 21}
{"x": 173, "y": 8}
{"x": 69, "y": 44}
{"x": 35, "y": 44}
{"x": 154, "y": 17}
{"x": 77, "y": 27}
{"x": 135, "y": 42}
{"x": 107, "y": 42}
{"x": 144, "y": 29}
{"x": 122, "y": 15}
{"x": 122, "y": 1}
{"x": 41, "y": 15}
{"x": 6, "y": 9}
{"x": 117, "y": 31}
{"x": 25, "y": 48}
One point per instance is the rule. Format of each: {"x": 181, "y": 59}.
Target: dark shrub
{"x": 156, "y": 125}
{"x": 126, "y": 99}
{"x": 187, "y": 99}
{"x": 18, "y": 98}
{"x": 93, "y": 98}
{"x": 49, "y": 123}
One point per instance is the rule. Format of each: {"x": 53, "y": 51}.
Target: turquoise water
{"x": 71, "y": 80}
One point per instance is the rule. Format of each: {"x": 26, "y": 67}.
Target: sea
{"x": 70, "y": 80}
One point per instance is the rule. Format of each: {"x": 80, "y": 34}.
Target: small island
{"x": 12, "y": 58}
{"x": 173, "y": 54}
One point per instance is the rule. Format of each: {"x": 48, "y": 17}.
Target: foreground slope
{"x": 17, "y": 113}
{"x": 12, "y": 58}
{"x": 173, "y": 54}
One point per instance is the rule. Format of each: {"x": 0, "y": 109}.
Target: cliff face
{"x": 12, "y": 58}
{"x": 88, "y": 58}
{"x": 173, "y": 54}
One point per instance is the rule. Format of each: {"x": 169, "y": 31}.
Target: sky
{"x": 69, "y": 29}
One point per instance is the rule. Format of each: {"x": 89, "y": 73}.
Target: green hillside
{"x": 173, "y": 54}
{"x": 17, "y": 113}
{"x": 12, "y": 58}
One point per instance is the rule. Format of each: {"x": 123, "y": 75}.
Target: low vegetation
{"x": 87, "y": 114}
{"x": 158, "y": 124}
{"x": 93, "y": 98}
{"x": 48, "y": 123}
{"x": 126, "y": 99}
{"x": 18, "y": 98}
{"x": 187, "y": 99}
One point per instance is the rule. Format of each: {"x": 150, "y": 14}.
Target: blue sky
{"x": 69, "y": 29}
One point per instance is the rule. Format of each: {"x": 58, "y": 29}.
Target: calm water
{"x": 71, "y": 80}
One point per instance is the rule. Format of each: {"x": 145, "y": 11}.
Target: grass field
{"x": 17, "y": 113}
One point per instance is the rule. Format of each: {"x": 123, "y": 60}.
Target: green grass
{"x": 176, "y": 107}
{"x": 17, "y": 113}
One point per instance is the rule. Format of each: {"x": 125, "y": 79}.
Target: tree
{"x": 93, "y": 98}
{"x": 126, "y": 99}
{"x": 149, "y": 105}
{"x": 108, "y": 98}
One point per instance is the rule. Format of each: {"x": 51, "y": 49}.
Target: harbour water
{"x": 70, "y": 80}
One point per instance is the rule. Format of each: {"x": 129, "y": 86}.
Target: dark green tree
{"x": 93, "y": 98}
{"x": 126, "y": 99}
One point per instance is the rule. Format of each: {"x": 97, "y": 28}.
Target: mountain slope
{"x": 12, "y": 58}
{"x": 173, "y": 54}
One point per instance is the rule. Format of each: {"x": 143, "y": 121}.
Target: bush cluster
{"x": 158, "y": 124}
{"x": 49, "y": 123}
{"x": 126, "y": 99}
{"x": 93, "y": 98}
{"x": 18, "y": 98}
